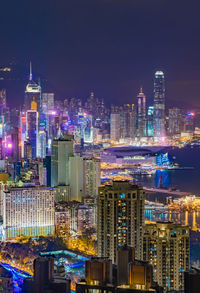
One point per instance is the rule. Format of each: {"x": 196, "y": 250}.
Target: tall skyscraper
{"x": 150, "y": 121}
{"x": 47, "y": 112}
{"x": 141, "y": 114}
{"x": 32, "y": 93}
{"x": 175, "y": 121}
{"x": 166, "y": 247}
{"x": 28, "y": 211}
{"x": 159, "y": 105}
{"x": 32, "y": 130}
{"x": 92, "y": 175}
{"x": 127, "y": 121}
{"x": 22, "y": 133}
{"x": 61, "y": 150}
{"x": 42, "y": 144}
{"x": 76, "y": 178}
{"x": 115, "y": 126}
{"x": 120, "y": 218}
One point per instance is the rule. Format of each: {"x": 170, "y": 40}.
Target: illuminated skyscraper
{"x": 120, "y": 218}
{"x": 76, "y": 178}
{"x": 32, "y": 131}
{"x": 92, "y": 175}
{"x": 115, "y": 126}
{"x": 189, "y": 122}
{"x": 150, "y": 121}
{"x": 159, "y": 105}
{"x": 28, "y": 211}
{"x": 47, "y": 106}
{"x": 32, "y": 93}
{"x": 42, "y": 144}
{"x": 141, "y": 114}
{"x": 175, "y": 121}
{"x": 22, "y": 132}
{"x": 127, "y": 121}
{"x": 61, "y": 150}
{"x": 166, "y": 247}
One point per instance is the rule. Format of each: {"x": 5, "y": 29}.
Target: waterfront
{"x": 186, "y": 180}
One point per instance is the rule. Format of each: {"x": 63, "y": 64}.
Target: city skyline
{"x": 105, "y": 46}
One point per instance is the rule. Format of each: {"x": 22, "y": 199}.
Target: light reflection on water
{"x": 191, "y": 218}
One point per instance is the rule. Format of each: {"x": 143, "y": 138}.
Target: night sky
{"x": 109, "y": 46}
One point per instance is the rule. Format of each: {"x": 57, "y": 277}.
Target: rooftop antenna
{"x": 30, "y": 75}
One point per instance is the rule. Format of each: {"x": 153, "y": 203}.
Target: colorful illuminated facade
{"x": 28, "y": 212}
{"x": 141, "y": 114}
{"x": 159, "y": 105}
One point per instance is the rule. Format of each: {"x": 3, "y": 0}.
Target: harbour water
{"x": 187, "y": 180}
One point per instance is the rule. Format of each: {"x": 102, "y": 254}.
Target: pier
{"x": 167, "y": 191}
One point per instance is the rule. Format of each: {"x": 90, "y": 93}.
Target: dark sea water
{"x": 185, "y": 180}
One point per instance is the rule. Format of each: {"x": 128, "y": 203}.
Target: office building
{"x": 159, "y": 105}
{"x": 15, "y": 144}
{"x": 48, "y": 101}
{"x": 22, "y": 133}
{"x": 42, "y": 144}
{"x": 166, "y": 247}
{"x": 150, "y": 121}
{"x": 32, "y": 94}
{"x": 32, "y": 131}
{"x": 98, "y": 277}
{"x": 120, "y": 218}
{"x": 61, "y": 150}
{"x": 141, "y": 114}
{"x": 175, "y": 121}
{"x": 115, "y": 126}
{"x": 127, "y": 121}
{"x": 48, "y": 112}
{"x": 28, "y": 211}
{"x": 189, "y": 123}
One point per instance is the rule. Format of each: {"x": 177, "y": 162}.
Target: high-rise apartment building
{"x": 159, "y": 105}
{"x": 76, "y": 178}
{"x": 92, "y": 175}
{"x": 115, "y": 126}
{"x": 166, "y": 247}
{"x": 32, "y": 131}
{"x": 120, "y": 218}
{"x": 141, "y": 114}
{"x": 28, "y": 211}
{"x": 61, "y": 150}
